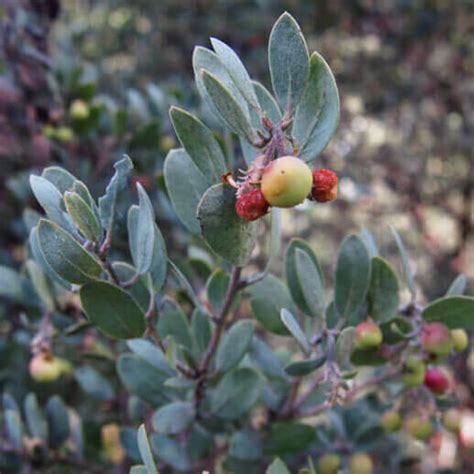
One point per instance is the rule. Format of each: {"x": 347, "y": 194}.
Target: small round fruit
{"x": 436, "y": 380}
{"x": 64, "y": 134}
{"x": 252, "y": 205}
{"x": 368, "y": 335}
{"x": 460, "y": 339}
{"x": 286, "y": 182}
{"x": 360, "y": 463}
{"x": 413, "y": 371}
{"x": 391, "y": 421}
{"x": 45, "y": 368}
{"x": 329, "y": 463}
{"x": 420, "y": 428}
{"x": 79, "y": 110}
{"x": 324, "y": 185}
{"x": 451, "y": 420}
{"x": 436, "y": 339}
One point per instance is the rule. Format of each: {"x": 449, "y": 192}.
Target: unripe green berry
{"x": 360, "y": 463}
{"x": 79, "y": 110}
{"x": 436, "y": 339}
{"x": 64, "y": 134}
{"x": 420, "y": 428}
{"x": 329, "y": 463}
{"x": 391, "y": 421}
{"x": 368, "y": 335}
{"x": 414, "y": 371}
{"x": 460, "y": 339}
{"x": 45, "y": 368}
{"x": 451, "y": 420}
{"x": 286, "y": 182}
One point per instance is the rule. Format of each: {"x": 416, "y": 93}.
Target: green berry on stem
{"x": 286, "y": 182}
{"x": 420, "y": 428}
{"x": 391, "y": 421}
{"x": 368, "y": 335}
{"x": 79, "y": 110}
{"x": 360, "y": 463}
{"x": 451, "y": 420}
{"x": 460, "y": 339}
{"x": 413, "y": 371}
{"x": 329, "y": 463}
{"x": 45, "y": 368}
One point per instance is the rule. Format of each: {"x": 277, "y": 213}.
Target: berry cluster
{"x": 284, "y": 182}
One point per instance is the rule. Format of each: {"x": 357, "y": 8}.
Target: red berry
{"x": 252, "y": 205}
{"x": 436, "y": 380}
{"x": 324, "y": 185}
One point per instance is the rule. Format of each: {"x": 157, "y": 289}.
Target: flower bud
{"x": 286, "y": 182}
{"x": 436, "y": 339}
{"x": 368, "y": 335}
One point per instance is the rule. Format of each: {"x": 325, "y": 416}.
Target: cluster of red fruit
{"x": 286, "y": 182}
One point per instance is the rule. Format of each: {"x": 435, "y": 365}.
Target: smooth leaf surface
{"x": 14, "y": 428}
{"x": 266, "y": 360}
{"x": 108, "y": 201}
{"x": 289, "y": 437}
{"x": 407, "y": 270}
{"x": 61, "y": 178}
{"x": 41, "y": 284}
{"x": 246, "y": 445}
{"x": 185, "y": 185}
{"x": 145, "y": 450}
{"x": 82, "y": 216}
{"x": 65, "y": 255}
{"x": 236, "y": 70}
{"x": 344, "y": 347}
{"x": 291, "y": 273}
{"x": 216, "y": 288}
{"x": 458, "y": 286}
{"x": 200, "y": 144}
{"x": 112, "y": 309}
{"x": 352, "y": 276}
{"x": 171, "y": 452}
{"x": 304, "y": 367}
{"x": 230, "y": 109}
{"x": 454, "y": 311}
{"x": 383, "y": 291}
{"x": 229, "y": 236}
{"x": 58, "y": 422}
{"x": 310, "y": 282}
{"x": 173, "y": 322}
{"x": 236, "y": 393}
{"x": 152, "y": 354}
{"x": 35, "y": 419}
{"x": 317, "y": 115}
{"x": 173, "y": 418}
{"x": 288, "y": 60}
{"x": 268, "y": 297}
{"x": 295, "y": 329}
{"x": 94, "y": 383}
{"x": 234, "y": 345}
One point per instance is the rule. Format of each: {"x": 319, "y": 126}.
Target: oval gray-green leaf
{"x": 236, "y": 70}
{"x": 291, "y": 273}
{"x": 57, "y": 415}
{"x": 310, "y": 282}
{"x": 41, "y": 284}
{"x": 199, "y": 143}
{"x": 295, "y": 329}
{"x": 454, "y": 311}
{"x": 229, "y": 236}
{"x": 62, "y": 179}
{"x": 383, "y": 291}
{"x": 288, "y": 60}
{"x": 407, "y": 270}
{"x": 82, "y": 216}
{"x": 145, "y": 451}
{"x": 234, "y": 345}
{"x": 228, "y": 106}
{"x": 173, "y": 418}
{"x": 35, "y": 419}
{"x": 112, "y": 309}
{"x": 304, "y": 367}
{"x": 185, "y": 185}
{"x": 458, "y": 286}
{"x": 65, "y": 255}
{"x": 317, "y": 115}
{"x": 352, "y": 276}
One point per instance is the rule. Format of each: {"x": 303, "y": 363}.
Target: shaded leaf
{"x": 16, "y": 287}
{"x": 305, "y": 367}
{"x": 383, "y": 291}
{"x": 289, "y": 437}
{"x": 35, "y": 419}
{"x": 94, "y": 383}
{"x": 407, "y": 270}
{"x": 173, "y": 418}
{"x": 293, "y": 326}
{"x": 145, "y": 451}
{"x": 234, "y": 345}
{"x": 454, "y": 311}
{"x": 458, "y": 286}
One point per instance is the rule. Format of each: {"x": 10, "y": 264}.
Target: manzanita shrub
{"x": 249, "y": 372}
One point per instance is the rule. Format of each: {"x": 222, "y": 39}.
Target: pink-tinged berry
{"x": 460, "y": 339}
{"x": 436, "y": 339}
{"x": 252, "y": 205}
{"x": 45, "y": 368}
{"x": 324, "y": 185}
{"x": 286, "y": 182}
{"x": 436, "y": 380}
{"x": 368, "y": 335}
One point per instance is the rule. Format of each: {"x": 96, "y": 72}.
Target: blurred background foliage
{"x": 84, "y": 81}
{"x": 404, "y": 69}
